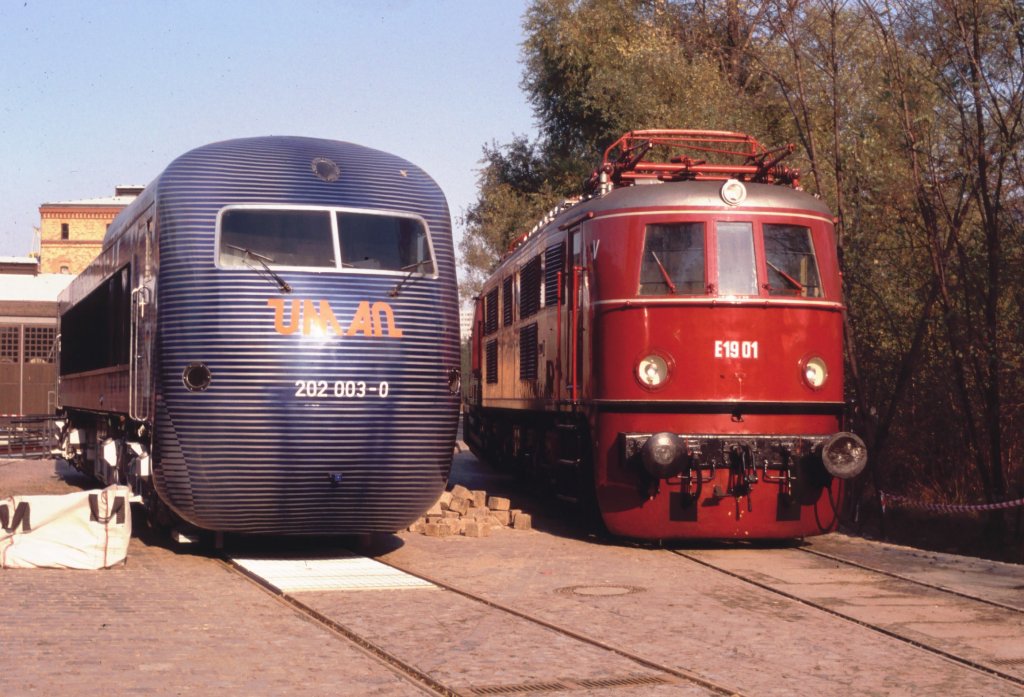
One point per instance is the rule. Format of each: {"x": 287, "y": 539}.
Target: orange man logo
{"x": 319, "y": 319}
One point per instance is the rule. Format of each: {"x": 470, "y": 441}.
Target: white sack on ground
{"x": 84, "y": 530}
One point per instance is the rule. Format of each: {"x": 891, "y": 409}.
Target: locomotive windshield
{"x": 674, "y": 254}
{"x": 323, "y": 239}
{"x": 383, "y": 242}
{"x": 283, "y": 238}
{"x": 789, "y": 255}
{"x": 673, "y": 261}
{"x": 737, "y": 272}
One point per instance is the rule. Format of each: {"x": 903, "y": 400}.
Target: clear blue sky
{"x": 94, "y": 94}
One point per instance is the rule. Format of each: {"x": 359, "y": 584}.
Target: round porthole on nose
{"x": 196, "y": 377}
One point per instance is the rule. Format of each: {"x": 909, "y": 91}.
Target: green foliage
{"x": 517, "y": 185}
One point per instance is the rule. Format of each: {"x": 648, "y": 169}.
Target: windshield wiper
{"x": 267, "y": 272}
{"x": 412, "y": 269}
{"x": 664, "y": 273}
{"x": 786, "y": 277}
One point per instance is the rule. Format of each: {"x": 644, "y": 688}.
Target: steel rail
{"x": 960, "y": 660}
{"x": 908, "y": 579}
{"x": 646, "y": 662}
{"x": 404, "y": 670}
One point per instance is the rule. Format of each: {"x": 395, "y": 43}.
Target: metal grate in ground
{"x": 573, "y": 684}
{"x": 343, "y": 573}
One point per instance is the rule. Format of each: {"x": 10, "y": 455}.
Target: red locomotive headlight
{"x": 652, "y": 371}
{"x": 814, "y": 372}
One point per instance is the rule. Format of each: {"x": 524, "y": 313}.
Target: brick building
{"x": 28, "y": 326}
{"x": 71, "y": 232}
{"x": 70, "y": 236}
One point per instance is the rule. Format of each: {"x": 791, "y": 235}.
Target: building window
{"x": 65, "y": 232}
{"x": 39, "y": 344}
{"x": 9, "y": 344}
{"x": 64, "y": 268}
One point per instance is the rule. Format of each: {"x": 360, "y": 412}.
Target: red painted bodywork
{"x": 608, "y": 327}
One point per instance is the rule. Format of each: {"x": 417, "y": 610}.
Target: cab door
{"x": 573, "y": 334}
{"x": 143, "y": 319}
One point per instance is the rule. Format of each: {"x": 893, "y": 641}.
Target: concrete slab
{"x": 991, "y": 580}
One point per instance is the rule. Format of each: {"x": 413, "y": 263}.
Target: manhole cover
{"x": 601, "y": 590}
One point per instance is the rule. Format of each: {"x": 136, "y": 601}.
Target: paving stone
{"x": 498, "y": 503}
{"x": 522, "y": 521}
{"x": 461, "y": 492}
{"x": 479, "y": 499}
{"x": 476, "y": 529}
{"x": 459, "y": 504}
{"x": 170, "y": 622}
{"x": 449, "y": 527}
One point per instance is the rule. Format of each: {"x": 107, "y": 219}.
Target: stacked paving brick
{"x": 462, "y": 511}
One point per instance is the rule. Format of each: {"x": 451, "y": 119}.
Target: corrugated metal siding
{"x": 247, "y": 454}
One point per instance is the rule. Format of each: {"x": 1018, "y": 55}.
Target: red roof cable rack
{"x": 690, "y": 155}
{"x": 684, "y": 154}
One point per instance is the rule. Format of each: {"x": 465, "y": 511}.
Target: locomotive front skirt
{"x": 269, "y": 341}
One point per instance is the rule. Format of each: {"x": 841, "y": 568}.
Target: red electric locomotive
{"x": 671, "y": 346}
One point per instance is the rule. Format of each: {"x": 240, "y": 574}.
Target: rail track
{"x": 915, "y": 581}
{"x": 913, "y": 588}
{"x": 649, "y": 674}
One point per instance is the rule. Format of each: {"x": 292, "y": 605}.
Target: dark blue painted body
{"x": 328, "y": 408}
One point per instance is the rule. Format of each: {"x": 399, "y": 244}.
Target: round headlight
{"x": 652, "y": 371}
{"x": 733, "y": 192}
{"x": 844, "y": 455}
{"x": 815, "y": 372}
{"x": 662, "y": 455}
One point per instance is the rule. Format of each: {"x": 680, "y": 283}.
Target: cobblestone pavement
{"x": 180, "y": 623}
{"x": 164, "y": 624}
{"x": 684, "y": 615}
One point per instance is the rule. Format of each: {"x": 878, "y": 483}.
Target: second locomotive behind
{"x": 671, "y": 346}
